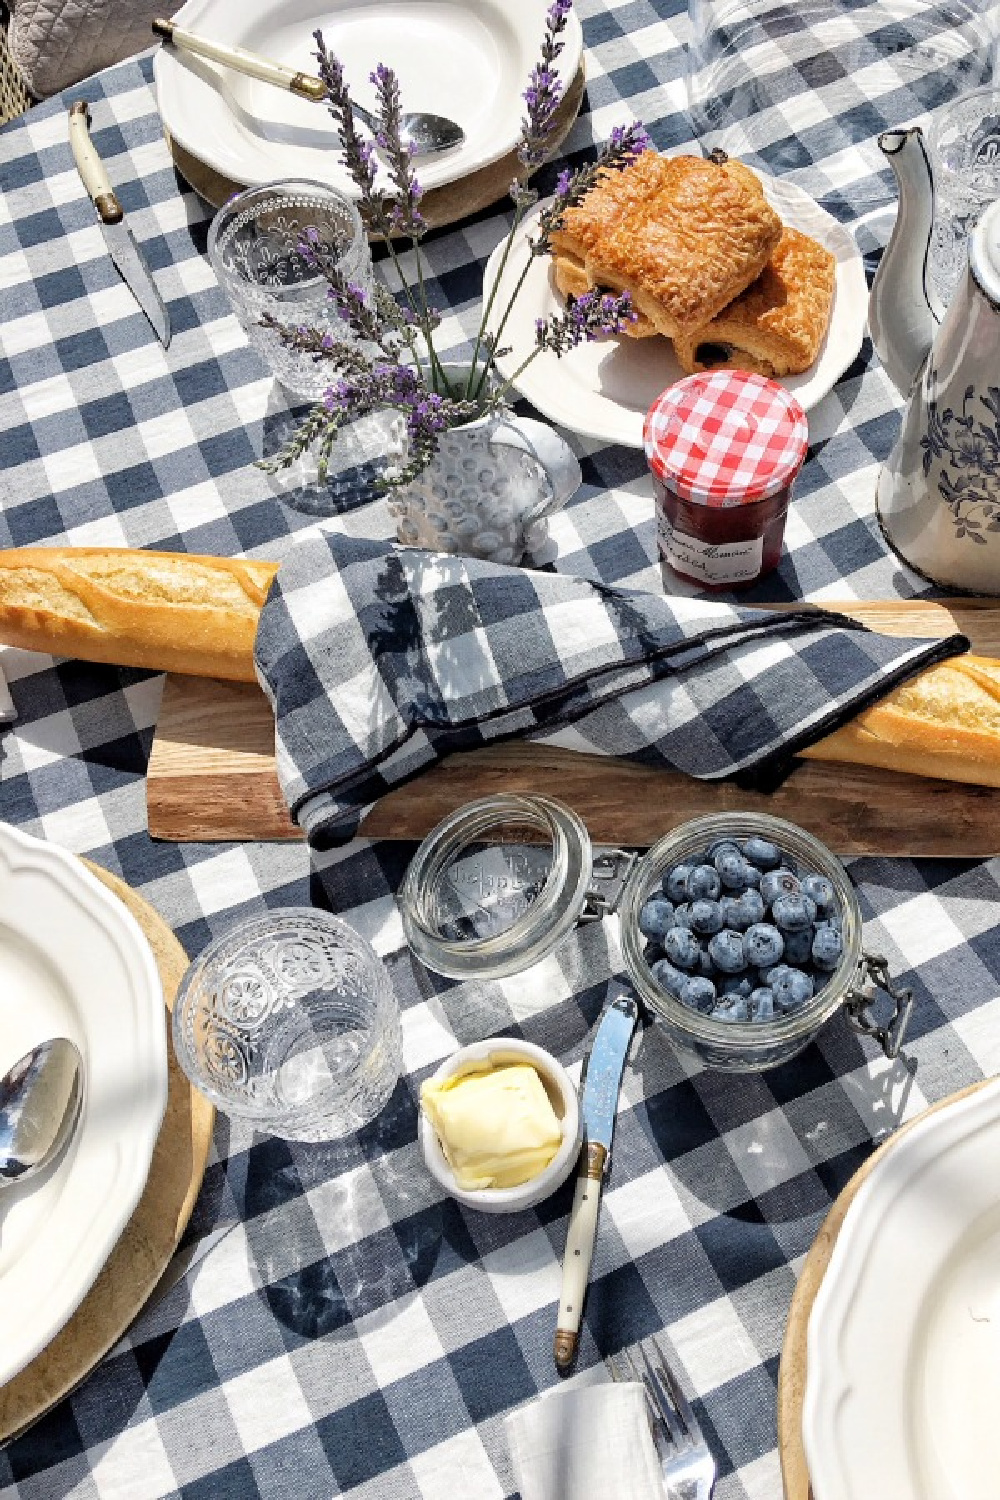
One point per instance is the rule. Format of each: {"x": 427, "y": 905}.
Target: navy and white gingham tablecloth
{"x": 342, "y": 1328}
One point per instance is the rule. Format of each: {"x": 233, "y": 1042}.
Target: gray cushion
{"x": 57, "y": 42}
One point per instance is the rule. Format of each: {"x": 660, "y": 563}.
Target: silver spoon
{"x": 40, "y": 1099}
{"x": 428, "y": 134}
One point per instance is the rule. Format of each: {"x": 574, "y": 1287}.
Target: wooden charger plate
{"x": 792, "y": 1370}
{"x": 152, "y": 1234}
{"x": 439, "y": 206}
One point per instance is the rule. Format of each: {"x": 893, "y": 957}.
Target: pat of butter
{"x": 496, "y": 1125}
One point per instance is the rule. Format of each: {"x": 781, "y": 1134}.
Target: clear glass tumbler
{"x": 802, "y": 88}
{"x": 289, "y": 1022}
{"x": 253, "y": 247}
{"x": 964, "y": 141}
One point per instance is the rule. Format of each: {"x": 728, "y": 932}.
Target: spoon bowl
{"x": 424, "y": 134}
{"x": 40, "y": 1101}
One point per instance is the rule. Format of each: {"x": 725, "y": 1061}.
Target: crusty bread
{"x": 944, "y": 722}
{"x": 167, "y": 611}
{"x": 176, "y": 612}
{"x": 777, "y": 325}
{"x": 682, "y": 235}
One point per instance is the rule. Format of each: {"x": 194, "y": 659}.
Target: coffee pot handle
{"x": 552, "y": 454}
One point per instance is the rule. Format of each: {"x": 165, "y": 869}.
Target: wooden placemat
{"x": 792, "y": 1369}
{"x": 154, "y": 1230}
{"x": 439, "y": 206}
{"x": 212, "y": 775}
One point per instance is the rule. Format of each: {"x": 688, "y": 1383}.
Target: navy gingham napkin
{"x": 379, "y": 660}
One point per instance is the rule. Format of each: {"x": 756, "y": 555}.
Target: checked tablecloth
{"x": 340, "y": 1328}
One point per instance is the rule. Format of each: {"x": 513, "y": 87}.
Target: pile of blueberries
{"x": 739, "y": 934}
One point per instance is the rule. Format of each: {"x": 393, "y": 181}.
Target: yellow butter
{"x": 496, "y": 1125}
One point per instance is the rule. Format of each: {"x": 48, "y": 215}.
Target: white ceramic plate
{"x": 468, "y": 59}
{"x": 604, "y": 389}
{"x": 903, "y": 1384}
{"x": 74, "y": 963}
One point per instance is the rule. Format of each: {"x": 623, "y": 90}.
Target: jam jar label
{"x": 711, "y": 562}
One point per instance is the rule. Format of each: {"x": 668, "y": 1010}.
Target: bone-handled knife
{"x": 600, "y": 1104}
{"x": 250, "y": 63}
{"x": 117, "y": 236}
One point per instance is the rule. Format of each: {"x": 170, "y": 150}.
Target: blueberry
{"x": 791, "y": 989}
{"x": 752, "y": 908}
{"x": 819, "y": 889}
{"x": 675, "y": 881}
{"x": 706, "y": 968}
{"x": 833, "y": 919}
{"x": 682, "y": 948}
{"x": 667, "y": 977}
{"x": 732, "y": 912}
{"x": 751, "y": 875}
{"x": 656, "y": 917}
{"x": 735, "y": 1010}
{"x": 733, "y": 984}
{"x": 725, "y": 950}
{"x": 762, "y": 1003}
{"x": 763, "y": 945}
{"x": 722, "y": 846}
{"x": 778, "y": 883}
{"x": 761, "y": 853}
{"x": 730, "y": 865}
{"x": 698, "y": 993}
{"x": 798, "y": 946}
{"x": 703, "y": 883}
{"x": 827, "y": 946}
{"x": 682, "y": 914}
{"x": 770, "y": 975}
{"x": 706, "y": 916}
{"x": 793, "y": 913}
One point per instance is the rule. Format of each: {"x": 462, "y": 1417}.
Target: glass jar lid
{"x": 496, "y": 886}
{"x": 726, "y": 438}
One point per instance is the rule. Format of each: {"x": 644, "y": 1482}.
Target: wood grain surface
{"x": 212, "y": 775}
{"x": 439, "y": 206}
{"x": 152, "y": 1234}
{"x": 792, "y": 1368}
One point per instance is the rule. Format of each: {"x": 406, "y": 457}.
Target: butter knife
{"x": 117, "y": 236}
{"x": 600, "y": 1103}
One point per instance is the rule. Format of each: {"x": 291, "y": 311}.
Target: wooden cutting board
{"x": 792, "y": 1369}
{"x": 212, "y": 775}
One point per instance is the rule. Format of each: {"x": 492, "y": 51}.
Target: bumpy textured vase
{"x": 489, "y": 490}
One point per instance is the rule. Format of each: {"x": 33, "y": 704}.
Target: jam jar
{"x": 723, "y": 448}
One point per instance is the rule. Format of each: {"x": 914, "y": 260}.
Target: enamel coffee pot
{"x": 939, "y": 491}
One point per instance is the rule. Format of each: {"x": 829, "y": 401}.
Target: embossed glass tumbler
{"x": 253, "y": 247}
{"x": 289, "y": 1023}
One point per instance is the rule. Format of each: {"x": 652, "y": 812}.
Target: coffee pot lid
{"x": 984, "y": 253}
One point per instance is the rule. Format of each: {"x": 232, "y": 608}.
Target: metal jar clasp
{"x": 874, "y": 976}
{"x": 611, "y": 870}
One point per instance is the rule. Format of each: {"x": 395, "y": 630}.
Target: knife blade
{"x": 118, "y": 237}
{"x": 600, "y": 1104}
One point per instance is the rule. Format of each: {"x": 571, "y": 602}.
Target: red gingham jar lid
{"x": 725, "y": 437}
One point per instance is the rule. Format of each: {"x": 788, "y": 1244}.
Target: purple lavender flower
{"x": 625, "y": 144}
{"x": 359, "y": 154}
{"x": 545, "y": 89}
{"x": 595, "y": 315}
{"x": 405, "y": 214}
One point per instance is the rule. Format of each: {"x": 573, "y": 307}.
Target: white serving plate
{"x": 604, "y": 389}
{"x": 74, "y": 963}
{"x": 468, "y": 59}
{"x": 903, "y": 1352}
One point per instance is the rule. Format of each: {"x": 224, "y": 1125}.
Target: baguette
{"x": 176, "y": 612}
{"x": 167, "y": 611}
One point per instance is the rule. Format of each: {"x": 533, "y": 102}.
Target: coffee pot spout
{"x": 901, "y": 316}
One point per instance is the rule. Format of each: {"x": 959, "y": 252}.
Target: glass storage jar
{"x": 750, "y": 1046}
{"x": 502, "y": 881}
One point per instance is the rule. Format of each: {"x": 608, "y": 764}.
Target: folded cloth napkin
{"x": 380, "y": 660}
{"x": 585, "y": 1443}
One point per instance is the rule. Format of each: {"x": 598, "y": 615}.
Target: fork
{"x": 686, "y": 1463}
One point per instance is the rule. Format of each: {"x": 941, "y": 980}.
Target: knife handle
{"x": 89, "y": 165}
{"x": 579, "y": 1253}
{"x": 241, "y": 61}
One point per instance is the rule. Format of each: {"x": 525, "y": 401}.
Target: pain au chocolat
{"x": 684, "y": 236}
{"x": 705, "y": 218}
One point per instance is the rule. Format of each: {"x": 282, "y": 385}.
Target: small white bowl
{"x": 562, "y": 1092}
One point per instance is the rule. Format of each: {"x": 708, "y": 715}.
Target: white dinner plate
{"x": 604, "y": 389}
{"x": 903, "y": 1358}
{"x": 468, "y": 59}
{"x": 74, "y": 963}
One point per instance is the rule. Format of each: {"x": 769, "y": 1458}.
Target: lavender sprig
{"x": 404, "y": 216}
{"x": 625, "y": 144}
{"x": 595, "y": 315}
{"x": 545, "y": 88}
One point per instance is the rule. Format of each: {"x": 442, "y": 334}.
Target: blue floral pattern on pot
{"x": 967, "y": 447}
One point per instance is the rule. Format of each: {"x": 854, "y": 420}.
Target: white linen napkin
{"x": 585, "y": 1443}
{"x": 7, "y": 709}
